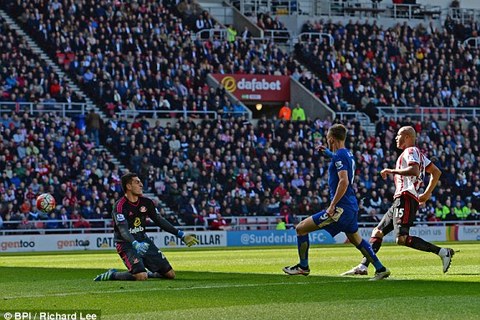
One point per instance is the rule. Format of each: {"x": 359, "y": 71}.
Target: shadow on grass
{"x": 235, "y": 279}
{"x": 61, "y": 288}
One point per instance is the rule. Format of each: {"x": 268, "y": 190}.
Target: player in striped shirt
{"x": 408, "y": 176}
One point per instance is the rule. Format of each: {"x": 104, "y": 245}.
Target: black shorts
{"x": 401, "y": 215}
{"x": 154, "y": 260}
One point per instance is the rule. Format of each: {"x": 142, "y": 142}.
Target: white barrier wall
{"x": 104, "y": 241}
{"x": 98, "y": 241}
{"x": 430, "y": 234}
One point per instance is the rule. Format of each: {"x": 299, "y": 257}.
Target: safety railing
{"x": 221, "y": 35}
{"x": 210, "y": 34}
{"x": 421, "y": 113}
{"x": 286, "y": 7}
{"x": 128, "y": 113}
{"x": 342, "y": 8}
{"x": 464, "y": 15}
{"x": 75, "y": 109}
{"x": 282, "y": 36}
{"x": 360, "y": 116}
{"x": 313, "y": 36}
{"x": 62, "y": 109}
{"x": 473, "y": 42}
{"x": 233, "y": 223}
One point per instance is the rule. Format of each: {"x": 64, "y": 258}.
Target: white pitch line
{"x": 169, "y": 289}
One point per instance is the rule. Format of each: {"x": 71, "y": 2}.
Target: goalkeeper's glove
{"x": 189, "y": 239}
{"x": 141, "y": 247}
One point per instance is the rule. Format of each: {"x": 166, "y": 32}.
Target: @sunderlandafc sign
{"x": 230, "y": 84}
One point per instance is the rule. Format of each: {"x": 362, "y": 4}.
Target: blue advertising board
{"x": 274, "y": 237}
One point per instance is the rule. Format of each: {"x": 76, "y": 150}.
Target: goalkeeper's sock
{"x": 122, "y": 276}
{"x": 422, "y": 245}
{"x": 370, "y": 255}
{"x": 376, "y": 243}
{"x": 154, "y": 275}
{"x": 303, "y": 244}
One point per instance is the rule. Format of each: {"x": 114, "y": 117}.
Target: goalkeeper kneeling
{"x": 137, "y": 251}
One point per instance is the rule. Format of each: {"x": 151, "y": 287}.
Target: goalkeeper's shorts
{"x": 154, "y": 260}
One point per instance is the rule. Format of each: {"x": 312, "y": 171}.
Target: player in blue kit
{"x": 341, "y": 215}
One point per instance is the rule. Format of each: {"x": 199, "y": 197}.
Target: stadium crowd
{"x": 132, "y": 56}
{"x": 234, "y": 168}
{"x": 51, "y": 154}
{"x": 140, "y": 56}
{"x": 24, "y": 77}
{"x": 370, "y": 65}
{"x": 226, "y": 167}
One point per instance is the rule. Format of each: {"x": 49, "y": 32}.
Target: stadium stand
{"x": 235, "y": 168}
{"x": 227, "y": 166}
{"x": 127, "y": 56}
{"x": 25, "y": 77}
{"x": 371, "y": 66}
{"x": 50, "y": 154}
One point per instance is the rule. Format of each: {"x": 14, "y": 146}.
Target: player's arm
{"x": 327, "y": 152}
{"x": 412, "y": 170}
{"x": 189, "y": 239}
{"x": 435, "y": 174}
{"x": 122, "y": 225}
{"x": 340, "y": 192}
{"x": 164, "y": 224}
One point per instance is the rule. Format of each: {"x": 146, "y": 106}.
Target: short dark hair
{"x": 126, "y": 179}
{"x": 338, "y": 132}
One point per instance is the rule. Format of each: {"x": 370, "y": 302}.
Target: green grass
{"x": 249, "y": 284}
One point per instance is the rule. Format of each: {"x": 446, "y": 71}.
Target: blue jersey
{"x": 343, "y": 160}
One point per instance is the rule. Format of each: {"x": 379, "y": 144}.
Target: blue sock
{"x": 367, "y": 251}
{"x": 303, "y": 244}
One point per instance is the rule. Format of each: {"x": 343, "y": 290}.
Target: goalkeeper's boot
{"x": 105, "y": 276}
{"x": 446, "y": 255}
{"x": 297, "y": 270}
{"x": 360, "y": 270}
{"x": 380, "y": 275}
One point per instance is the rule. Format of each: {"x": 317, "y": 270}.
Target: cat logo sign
{"x": 229, "y": 84}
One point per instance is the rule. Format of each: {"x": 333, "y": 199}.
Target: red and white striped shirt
{"x": 410, "y": 184}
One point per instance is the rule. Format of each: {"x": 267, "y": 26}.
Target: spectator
{"x": 93, "y": 126}
{"x": 51, "y": 223}
{"x": 231, "y": 33}
{"x": 298, "y": 114}
{"x": 219, "y": 223}
{"x": 79, "y": 222}
{"x": 281, "y": 225}
{"x": 285, "y": 112}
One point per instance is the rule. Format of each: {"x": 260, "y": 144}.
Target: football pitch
{"x": 249, "y": 284}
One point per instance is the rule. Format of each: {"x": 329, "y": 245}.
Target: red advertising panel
{"x": 256, "y": 86}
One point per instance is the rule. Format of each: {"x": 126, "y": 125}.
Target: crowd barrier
{"x": 103, "y": 241}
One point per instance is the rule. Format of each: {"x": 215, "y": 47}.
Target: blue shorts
{"x": 347, "y": 222}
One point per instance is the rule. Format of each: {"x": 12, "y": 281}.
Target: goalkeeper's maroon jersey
{"x": 130, "y": 219}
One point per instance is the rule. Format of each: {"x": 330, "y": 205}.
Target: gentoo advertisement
{"x": 248, "y": 87}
